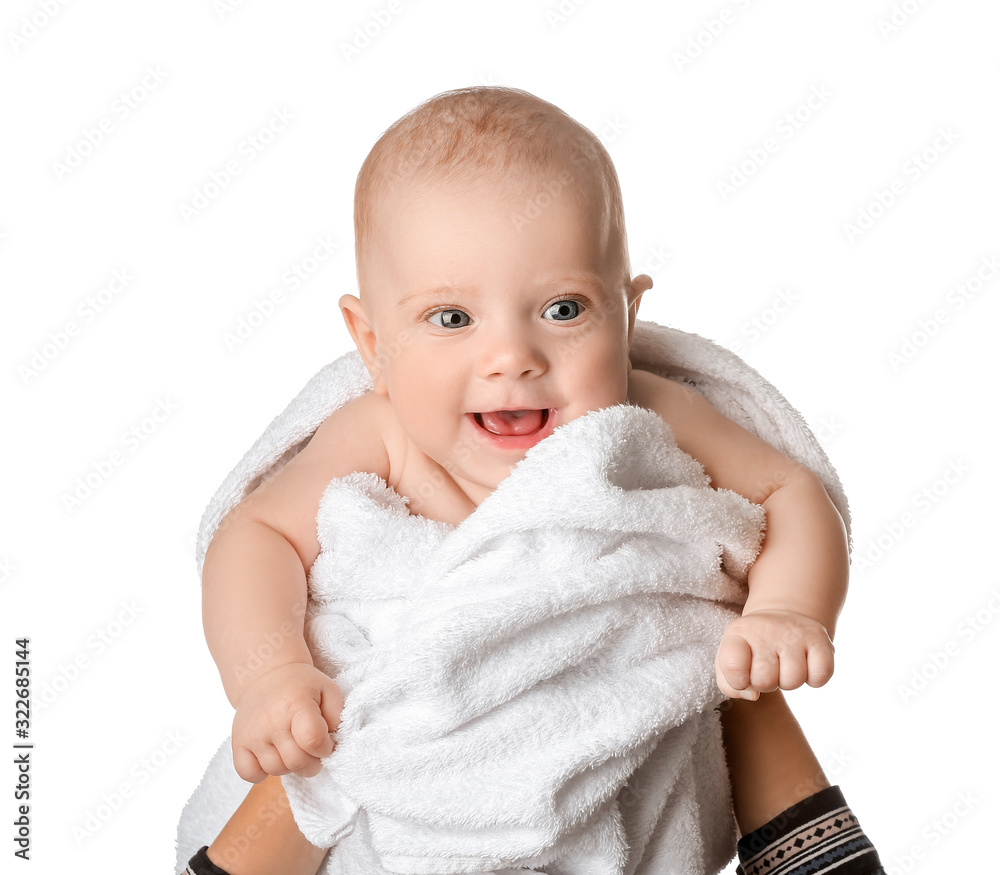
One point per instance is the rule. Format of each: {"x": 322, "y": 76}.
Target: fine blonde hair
{"x": 468, "y": 134}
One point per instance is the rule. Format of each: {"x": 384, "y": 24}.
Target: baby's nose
{"x": 513, "y": 353}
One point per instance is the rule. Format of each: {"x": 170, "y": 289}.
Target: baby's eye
{"x": 563, "y": 311}
{"x": 449, "y": 319}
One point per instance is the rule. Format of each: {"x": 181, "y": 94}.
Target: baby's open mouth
{"x": 512, "y": 422}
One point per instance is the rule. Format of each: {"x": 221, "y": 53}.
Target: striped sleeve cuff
{"x": 818, "y": 834}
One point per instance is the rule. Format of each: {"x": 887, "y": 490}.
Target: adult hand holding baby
{"x": 767, "y": 649}
{"x": 283, "y": 722}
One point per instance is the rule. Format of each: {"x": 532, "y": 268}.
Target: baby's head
{"x": 474, "y": 136}
{"x": 493, "y": 272}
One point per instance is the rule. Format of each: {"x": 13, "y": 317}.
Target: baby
{"x": 496, "y": 304}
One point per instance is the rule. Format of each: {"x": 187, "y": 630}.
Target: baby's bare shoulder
{"x": 352, "y": 438}
{"x": 674, "y": 402}
{"x": 699, "y": 429}
{"x": 349, "y": 440}
{"x": 733, "y": 457}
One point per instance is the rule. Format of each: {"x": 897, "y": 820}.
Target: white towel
{"x": 534, "y": 688}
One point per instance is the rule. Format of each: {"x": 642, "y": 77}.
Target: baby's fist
{"x": 764, "y": 650}
{"x": 283, "y": 722}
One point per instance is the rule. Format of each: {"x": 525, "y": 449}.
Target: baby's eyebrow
{"x": 586, "y": 277}
{"x": 435, "y": 292}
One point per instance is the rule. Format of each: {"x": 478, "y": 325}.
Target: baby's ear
{"x": 638, "y": 285}
{"x": 360, "y": 326}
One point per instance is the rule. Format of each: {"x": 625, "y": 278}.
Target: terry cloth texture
{"x": 535, "y": 687}
{"x": 507, "y": 679}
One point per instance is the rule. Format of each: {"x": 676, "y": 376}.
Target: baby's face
{"x": 490, "y": 331}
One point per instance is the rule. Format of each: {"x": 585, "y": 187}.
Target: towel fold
{"x": 505, "y": 678}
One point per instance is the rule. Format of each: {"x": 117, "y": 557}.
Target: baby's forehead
{"x": 490, "y": 139}
{"x": 432, "y": 211}
{"x": 524, "y": 191}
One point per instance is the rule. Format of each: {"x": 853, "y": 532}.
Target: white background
{"x": 105, "y": 586}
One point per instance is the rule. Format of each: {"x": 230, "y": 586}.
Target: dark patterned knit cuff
{"x": 818, "y": 834}
{"x": 199, "y": 864}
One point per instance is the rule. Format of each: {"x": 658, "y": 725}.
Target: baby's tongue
{"x": 512, "y": 421}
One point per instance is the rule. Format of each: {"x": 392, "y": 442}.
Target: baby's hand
{"x": 283, "y": 722}
{"x": 764, "y": 650}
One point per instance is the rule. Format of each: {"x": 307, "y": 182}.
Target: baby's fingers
{"x": 801, "y": 664}
{"x": 793, "y": 669}
{"x": 247, "y": 765}
{"x": 293, "y": 758}
{"x": 732, "y": 667}
{"x": 311, "y": 733}
{"x": 820, "y": 657}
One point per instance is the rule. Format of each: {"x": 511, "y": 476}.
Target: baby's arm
{"x": 799, "y": 580}
{"x": 254, "y": 598}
